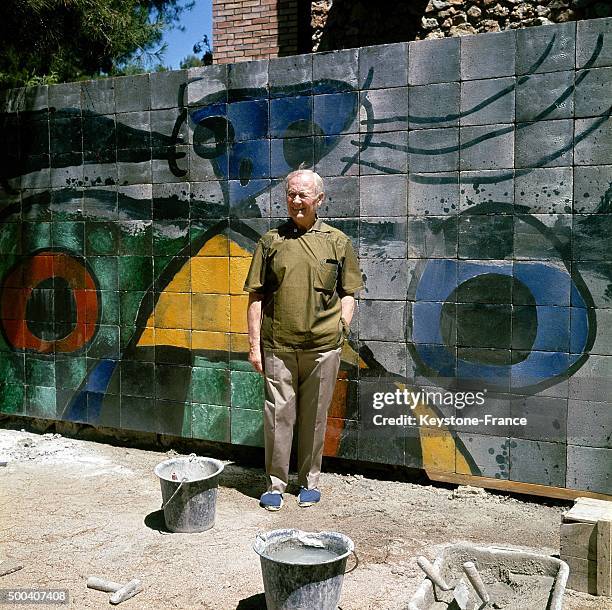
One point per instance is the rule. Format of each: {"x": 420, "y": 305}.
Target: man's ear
{"x": 320, "y": 198}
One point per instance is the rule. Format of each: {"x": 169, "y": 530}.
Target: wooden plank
{"x": 582, "y": 575}
{"x": 561, "y": 493}
{"x": 579, "y": 540}
{"x": 589, "y": 510}
{"x": 604, "y": 558}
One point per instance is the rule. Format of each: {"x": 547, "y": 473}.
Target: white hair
{"x": 318, "y": 181}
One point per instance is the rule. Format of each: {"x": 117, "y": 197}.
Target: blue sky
{"x": 197, "y": 22}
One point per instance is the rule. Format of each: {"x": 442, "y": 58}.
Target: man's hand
{"x": 255, "y": 359}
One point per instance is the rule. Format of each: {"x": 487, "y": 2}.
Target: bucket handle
{"x": 183, "y": 480}
{"x": 356, "y": 563}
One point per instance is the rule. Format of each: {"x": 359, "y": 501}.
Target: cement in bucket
{"x": 189, "y": 492}
{"x": 302, "y": 570}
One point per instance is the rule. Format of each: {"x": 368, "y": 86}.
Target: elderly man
{"x": 301, "y": 282}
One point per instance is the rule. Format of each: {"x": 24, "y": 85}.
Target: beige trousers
{"x": 299, "y": 385}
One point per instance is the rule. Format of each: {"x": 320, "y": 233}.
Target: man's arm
{"x": 254, "y": 324}
{"x": 348, "y": 308}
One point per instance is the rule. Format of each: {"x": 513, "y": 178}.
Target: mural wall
{"x": 473, "y": 175}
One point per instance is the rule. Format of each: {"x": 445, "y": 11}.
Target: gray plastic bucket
{"x": 189, "y": 492}
{"x": 293, "y": 585}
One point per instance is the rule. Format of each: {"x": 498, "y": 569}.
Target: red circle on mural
{"x": 17, "y": 289}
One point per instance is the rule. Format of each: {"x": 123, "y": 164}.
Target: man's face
{"x": 302, "y": 201}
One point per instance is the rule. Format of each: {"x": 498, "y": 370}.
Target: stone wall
{"x": 340, "y": 24}
{"x": 477, "y": 190}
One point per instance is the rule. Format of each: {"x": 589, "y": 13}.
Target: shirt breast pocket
{"x": 326, "y": 275}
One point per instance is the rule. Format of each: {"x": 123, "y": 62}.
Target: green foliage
{"x": 191, "y": 61}
{"x": 47, "y": 41}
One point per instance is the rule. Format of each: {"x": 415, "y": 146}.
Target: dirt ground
{"x": 71, "y": 508}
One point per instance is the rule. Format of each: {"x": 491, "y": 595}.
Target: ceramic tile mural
{"x": 473, "y": 175}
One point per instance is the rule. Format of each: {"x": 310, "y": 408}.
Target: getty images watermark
{"x": 395, "y": 408}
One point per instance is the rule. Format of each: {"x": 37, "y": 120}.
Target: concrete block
{"x": 603, "y": 338}
{"x": 592, "y": 237}
{"x": 208, "y": 201}
{"x": 436, "y": 194}
{"x": 434, "y": 150}
{"x": 163, "y": 122}
{"x": 339, "y": 66}
{"x": 546, "y": 96}
{"x": 336, "y": 113}
{"x": 384, "y": 153}
{"x": 589, "y": 423}
{"x": 488, "y": 55}
{"x": 590, "y": 187}
{"x": 371, "y": 449}
{"x": 545, "y": 190}
{"x": 593, "y": 141}
{"x": 99, "y": 174}
{"x": 132, "y": 93}
{"x": 66, "y": 176}
{"x": 487, "y": 147}
{"x": 168, "y": 89}
{"x": 593, "y": 381}
{"x": 432, "y": 237}
{"x": 382, "y": 195}
{"x": 383, "y": 66}
{"x": 531, "y": 244}
{"x": 133, "y": 130}
{"x": 98, "y": 96}
{"x": 597, "y": 275}
{"x": 388, "y": 110}
{"x": 486, "y": 186}
{"x": 592, "y": 95}
{"x": 433, "y": 61}
{"x": 200, "y": 169}
{"x": 134, "y": 172}
{"x": 207, "y": 85}
{"x": 391, "y": 356}
{"x": 495, "y": 405}
{"x": 489, "y": 453}
{"x": 385, "y": 278}
{"x": 483, "y": 237}
{"x": 487, "y": 102}
{"x": 161, "y": 171}
{"x": 537, "y": 462}
{"x": 383, "y": 320}
{"x": 546, "y": 48}
{"x": 546, "y": 418}
{"x": 544, "y": 144}
{"x": 593, "y": 47}
{"x": 382, "y": 237}
{"x": 341, "y": 197}
{"x": 337, "y": 155}
{"x": 350, "y": 227}
{"x": 65, "y": 95}
{"x": 588, "y": 468}
{"x": 434, "y": 105}
{"x": 36, "y": 98}
{"x": 285, "y": 155}
{"x": 278, "y": 199}
{"x": 289, "y": 76}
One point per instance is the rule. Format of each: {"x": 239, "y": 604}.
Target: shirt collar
{"x": 319, "y": 226}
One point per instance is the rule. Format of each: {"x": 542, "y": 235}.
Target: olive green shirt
{"x": 302, "y": 276}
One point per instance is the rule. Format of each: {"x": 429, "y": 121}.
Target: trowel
{"x": 460, "y": 597}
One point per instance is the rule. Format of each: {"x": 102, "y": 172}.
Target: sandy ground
{"x": 70, "y": 509}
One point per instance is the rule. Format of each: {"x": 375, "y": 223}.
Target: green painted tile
{"x": 170, "y": 237}
{"x": 186, "y": 431}
{"x": 106, "y": 271}
{"x": 40, "y": 402}
{"x": 203, "y": 361}
{"x": 247, "y": 390}
{"x": 69, "y": 235}
{"x": 109, "y": 307}
{"x": 105, "y": 343}
{"x": 131, "y": 302}
{"x": 210, "y": 422}
{"x": 210, "y": 386}
{"x": 241, "y": 364}
{"x": 12, "y": 397}
{"x": 35, "y": 236}
{"x": 101, "y": 238}
{"x": 135, "y": 272}
{"x": 10, "y": 239}
{"x": 12, "y": 368}
{"x": 40, "y": 371}
{"x": 69, "y": 371}
{"x": 135, "y": 237}
{"x": 247, "y": 427}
